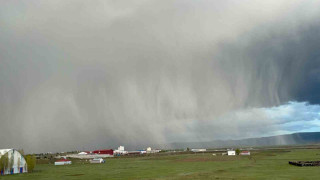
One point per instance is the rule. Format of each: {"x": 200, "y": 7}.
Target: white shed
{"x": 19, "y": 164}
{"x": 62, "y": 162}
{"x": 97, "y": 161}
{"x": 82, "y": 153}
{"x": 231, "y": 153}
{"x": 198, "y": 150}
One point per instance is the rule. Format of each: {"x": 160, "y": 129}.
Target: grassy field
{"x": 261, "y": 165}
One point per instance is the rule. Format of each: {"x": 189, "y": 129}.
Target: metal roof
{"x": 4, "y": 151}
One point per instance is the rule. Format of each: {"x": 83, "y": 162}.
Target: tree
{"x": 31, "y": 162}
{"x": 4, "y": 162}
{"x": 10, "y": 162}
{"x": 19, "y": 163}
{"x": 237, "y": 151}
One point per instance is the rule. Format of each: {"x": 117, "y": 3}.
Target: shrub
{"x": 31, "y": 162}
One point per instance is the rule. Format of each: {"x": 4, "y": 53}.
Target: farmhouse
{"x": 19, "y": 164}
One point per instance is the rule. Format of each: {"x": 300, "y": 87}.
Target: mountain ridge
{"x": 285, "y": 139}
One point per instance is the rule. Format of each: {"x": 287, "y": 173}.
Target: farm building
{"x": 134, "y": 152}
{"x": 120, "y": 151}
{"x": 231, "y": 153}
{"x": 103, "y": 151}
{"x": 83, "y": 153}
{"x": 62, "y": 162}
{"x": 245, "y": 153}
{"x": 97, "y": 161}
{"x": 198, "y": 150}
{"x": 19, "y": 164}
{"x": 142, "y": 151}
{"x": 149, "y": 150}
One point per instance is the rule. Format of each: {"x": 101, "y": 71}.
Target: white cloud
{"x": 256, "y": 122}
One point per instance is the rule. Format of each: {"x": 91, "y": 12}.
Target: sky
{"x": 82, "y": 75}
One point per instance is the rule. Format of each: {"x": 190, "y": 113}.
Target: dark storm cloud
{"x": 97, "y": 74}
{"x": 288, "y": 58}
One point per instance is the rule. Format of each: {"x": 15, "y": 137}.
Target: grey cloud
{"x": 97, "y": 74}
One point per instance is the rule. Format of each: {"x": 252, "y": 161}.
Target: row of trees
{"x": 30, "y": 159}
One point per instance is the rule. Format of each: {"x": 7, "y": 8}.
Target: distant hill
{"x": 288, "y": 139}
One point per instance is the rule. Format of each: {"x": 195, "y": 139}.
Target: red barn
{"x": 245, "y": 153}
{"x": 103, "y": 151}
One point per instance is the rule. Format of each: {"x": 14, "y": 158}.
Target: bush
{"x": 31, "y": 162}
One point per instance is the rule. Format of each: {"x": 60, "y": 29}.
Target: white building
{"x": 19, "y": 163}
{"x": 120, "y": 151}
{"x": 231, "y": 153}
{"x": 97, "y": 161}
{"x": 121, "y": 148}
{"x": 82, "y": 153}
{"x": 149, "y": 150}
{"x": 198, "y": 150}
{"x": 62, "y": 162}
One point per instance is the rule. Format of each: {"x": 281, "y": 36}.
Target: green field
{"x": 261, "y": 165}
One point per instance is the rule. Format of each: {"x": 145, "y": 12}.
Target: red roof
{"x": 245, "y": 152}
{"x": 103, "y": 151}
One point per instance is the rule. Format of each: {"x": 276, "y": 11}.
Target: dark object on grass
{"x": 305, "y": 163}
